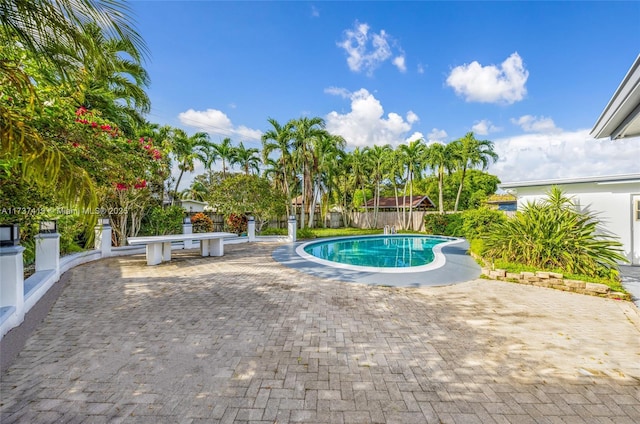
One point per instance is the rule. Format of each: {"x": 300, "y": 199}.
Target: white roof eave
{"x": 621, "y": 117}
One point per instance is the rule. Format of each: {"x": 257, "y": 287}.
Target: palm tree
{"x": 45, "y": 26}
{"x": 360, "y": 171}
{"x": 413, "y": 155}
{"x": 114, "y": 83}
{"x": 378, "y": 157}
{"x": 279, "y": 138}
{"x": 197, "y": 191}
{"x": 185, "y": 150}
{"x": 438, "y": 157}
{"x": 326, "y": 147}
{"x": 469, "y": 152}
{"x": 43, "y": 29}
{"x": 395, "y": 167}
{"x": 225, "y": 151}
{"x": 305, "y": 130}
{"x": 248, "y": 159}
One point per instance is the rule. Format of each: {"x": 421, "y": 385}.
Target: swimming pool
{"x": 379, "y": 253}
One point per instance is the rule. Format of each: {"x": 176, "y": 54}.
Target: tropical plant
{"x": 46, "y": 30}
{"x": 279, "y": 139}
{"x": 438, "y": 156}
{"x": 413, "y": 157}
{"x": 237, "y": 223}
{"x": 162, "y": 221}
{"x": 225, "y": 151}
{"x": 247, "y": 195}
{"x": 551, "y": 234}
{"x": 201, "y": 223}
{"x": 480, "y": 222}
{"x": 186, "y": 150}
{"x": 379, "y": 160}
{"x": 247, "y": 158}
{"x": 468, "y": 152}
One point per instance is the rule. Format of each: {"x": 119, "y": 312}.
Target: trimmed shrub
{"x": 435, "y": 223}
{"x": 305, "y": 233}
{"x": 443, "y": 224}
{"x": 274, "y": 232}
{"x": 201, "y": 223}
{"x": 237, "y": 223}
{"x": 480, "y": 222}
{"x": 162, "y": 221}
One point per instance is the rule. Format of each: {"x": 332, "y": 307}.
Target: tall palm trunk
{"x": 464, "y": 171}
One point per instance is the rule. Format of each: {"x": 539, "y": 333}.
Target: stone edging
{"x": 556, "y": 281}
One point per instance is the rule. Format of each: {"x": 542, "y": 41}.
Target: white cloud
{"x": 568, "y": 154}
{"x": 415, "y": 136}
{"x": 368, "y": 50}
{"x": 338, "y": 91}
{"x": 412, "y": 117}
{"x": 484, "y": 127}
{"x": 399, "y": 63}
{"x": 531, "y": 123}
{"x": 420, "y": 68}
{"x": 490, "y": 84}
{"x": 366, "y": 125}
{"x": 216, "y": 122}
{"x": 436, "y": 135}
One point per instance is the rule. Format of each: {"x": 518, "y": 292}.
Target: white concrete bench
{"x": 159, "y": 247}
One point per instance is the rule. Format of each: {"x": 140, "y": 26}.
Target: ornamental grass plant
{"x": 553, "y": 234}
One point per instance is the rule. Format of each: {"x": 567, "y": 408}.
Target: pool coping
{"x": 458, "y": 267}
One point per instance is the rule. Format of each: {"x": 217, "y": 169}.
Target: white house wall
{"x": 612, "y": 204}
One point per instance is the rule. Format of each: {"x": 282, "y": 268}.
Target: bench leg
{"x": 216, "y": 247}
{"x": 154, "y": 253}
{"x": 204, "y": 247}
{"x": 166, "y": 252}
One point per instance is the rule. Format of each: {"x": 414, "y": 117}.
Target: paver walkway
{"x": 244, "y": 339}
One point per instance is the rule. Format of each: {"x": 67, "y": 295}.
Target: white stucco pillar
{"x": 292, "y": 227}
{"x": 251, "y": 229}
{"x": 103, "y": 237}
{"x": 48, "y": 252}
{"x": 187, "y": 228}
{"x": 12, "y": 279}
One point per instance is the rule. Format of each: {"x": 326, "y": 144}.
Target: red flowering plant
{"x": 237, "y": 223}
{"x": 123, "y": 169}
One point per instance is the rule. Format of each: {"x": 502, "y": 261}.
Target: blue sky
{"x": 533, "y": 77}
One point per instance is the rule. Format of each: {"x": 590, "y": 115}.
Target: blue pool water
{"x": 388, "y": 251}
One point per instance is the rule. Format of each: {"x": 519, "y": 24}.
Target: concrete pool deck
{"x": 243, "y": 339}
{"x": 458, "y": 267}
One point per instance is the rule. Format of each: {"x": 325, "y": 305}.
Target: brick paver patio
{"x": 244, "y": 339}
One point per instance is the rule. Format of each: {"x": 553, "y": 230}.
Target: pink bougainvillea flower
{"x": 156, "y": 154}
{"x": 94, "y": 125}
{"x": 105, "y": 127}
{"x": 81, "y": 111}
{"x": 140, "y": 184}
{"x": 121, "y": 186}
{"x": 74, "y": 144}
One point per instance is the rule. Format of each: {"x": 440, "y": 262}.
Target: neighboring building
{"x": 503, "y": 202}
{"x": 614, "y": 199}
{"x": 417, "y": 203}
{"x": 193, "y": 206}
{"x": 621, "y": 117}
